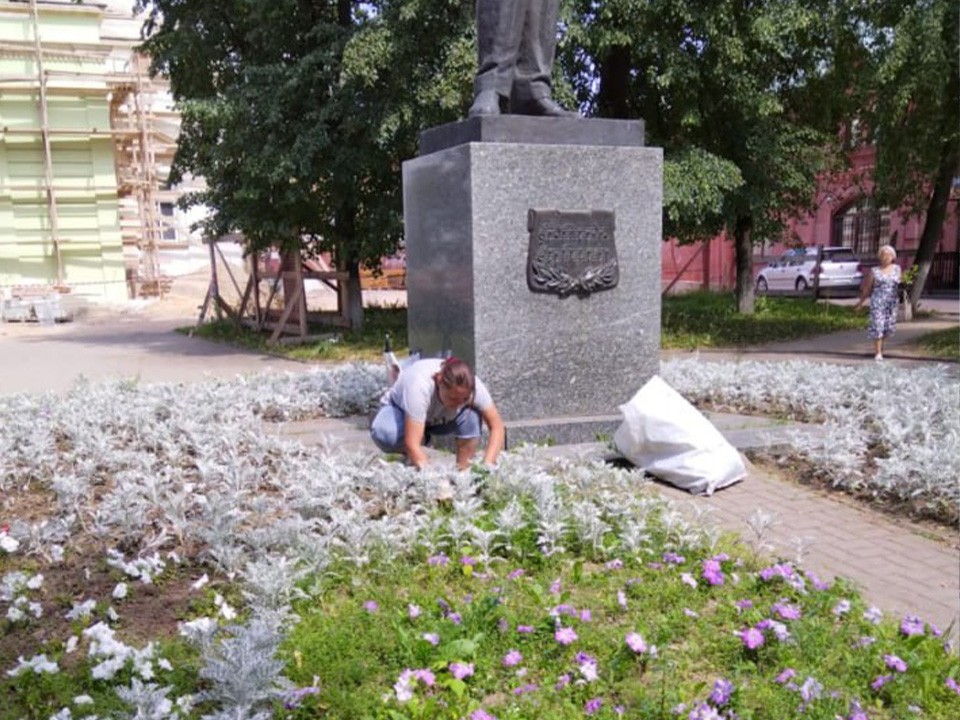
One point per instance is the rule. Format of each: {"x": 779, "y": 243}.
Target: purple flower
{"x": 744, "y": 604}
{"x": 722, "y": 691}
{"x": 614, "y": 564}
{"x": 786, "y": 610}
{"x": 587, "y": 667}
{"x": 810, "y": 690}
{"x": 431, "y": 638}
{"x": 880, "y": 681}
{"x": 438, "y": 560}
{"x": 702, "y": 711}
{"x": 524, "y": 689}
{"x": 873, "y": 614}
{"x": 817, "y": 583}
{"x": 673, "y": 558}
{"x": 555, "y": 587}
{"x": 688, "y": 579}
{"x": 690, "y": 613}
{"x": 480, "y": 714}
{"x": 371, "y": 606}
{"x": 296, "y": 696}
{"x": 779, "y": 629}
{"x": 562, "y": 681}
{"x": 622, "y": 599}
{"x": 712, "y": 572}
{"x": 864, "y": 641}
{"x": 524, "y": 629}
{"x": 783, "y": 570}
{"x": 952, "y": 684}
{"x": 413, "y": 611}
{"x": 563, "y": 610}
{"x": 911, "y": 625}
{"x": 468, "y": 561}
{"x": 585, "y": 615}
{"x": 565, "y": 635}
{"x": 518, "y": 573}
{"x": 636, "y": 642}
{"x": 752, "y": 638}
{"x": 785, "y": 675}
{"x": 460, "y": 670}
{"x": 895, "y": 663}
{"x": 841, "y": 608}
{"x": 592, "y": 706}
{"x": 455, "y": 618}
{"x": 857, "y": 712}
{"x": 512, "y": 658}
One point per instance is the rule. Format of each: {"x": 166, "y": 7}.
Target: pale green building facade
{"x": 59, "y": 200}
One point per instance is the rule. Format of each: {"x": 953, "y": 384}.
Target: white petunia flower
{"x": 120, "y": 591}
{"x": 201, "y": 582}
{"x": 8, "y": 544}
{"x": 81, "y": 611}
{"x": 36, "y": 582}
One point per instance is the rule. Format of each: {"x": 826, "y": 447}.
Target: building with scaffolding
{"x": 86, "y": 143}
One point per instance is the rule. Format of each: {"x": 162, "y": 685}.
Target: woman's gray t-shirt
{"x": 415, "y": 392}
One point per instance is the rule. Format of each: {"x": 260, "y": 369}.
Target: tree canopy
{"x": 909, "y": 101}
{"x": 730, "y": 90}
{"x": 298, "y": 113}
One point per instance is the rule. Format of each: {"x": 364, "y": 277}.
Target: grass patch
{"x": 710, "y": 320}
{"x": 692, "y": 320}
{"x": 342, "y": 345}
{"x": 942, "y": 343}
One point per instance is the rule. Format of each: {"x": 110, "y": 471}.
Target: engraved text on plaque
{"x": 571, "y": 252}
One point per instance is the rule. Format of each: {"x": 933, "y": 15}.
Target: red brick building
{"x": 845, "y": 216}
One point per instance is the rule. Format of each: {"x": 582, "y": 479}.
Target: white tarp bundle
{"x": 670, "y": 439}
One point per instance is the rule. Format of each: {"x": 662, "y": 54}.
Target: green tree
{"x": 910, "y": 92}
{"x": 739, "y": 94}
{"x": 298, "y": 114}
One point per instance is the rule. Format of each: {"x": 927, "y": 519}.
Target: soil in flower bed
{"x": 148, "y": 612}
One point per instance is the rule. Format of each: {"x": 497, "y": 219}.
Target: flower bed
{"x": 285, "y": 562}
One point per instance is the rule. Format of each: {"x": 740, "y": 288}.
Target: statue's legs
{"x": 516, "y": 40}
{"x": 534, "y": 61}
{"x": 500, "y": 26}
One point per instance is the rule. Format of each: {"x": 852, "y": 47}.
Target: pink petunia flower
{"x": 565, "y": 635}
{"x": 752, "y": 638}
{"x": 512, "y": 658}
{"x": 593, "y": 705}
{"x": 636, "y": 642}
{"x": 460, "y": 670}
{"x": 895, "y": 663}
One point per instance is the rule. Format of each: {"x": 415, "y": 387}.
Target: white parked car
{"x": 796, "y": 270}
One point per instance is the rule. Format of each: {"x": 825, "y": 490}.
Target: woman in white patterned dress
{"x": 882, "y": 286}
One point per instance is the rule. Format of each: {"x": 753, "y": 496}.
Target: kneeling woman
{"x": 437, "y": 397}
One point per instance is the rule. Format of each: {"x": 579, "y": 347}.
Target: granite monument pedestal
{"x": 533, "y": 253}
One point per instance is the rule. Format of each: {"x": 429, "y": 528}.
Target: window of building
{"x": 166, "y": 222}
{"x": 861, "y": 227}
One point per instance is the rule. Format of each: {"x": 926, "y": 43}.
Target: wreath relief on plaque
{"x": 571, "y": 253}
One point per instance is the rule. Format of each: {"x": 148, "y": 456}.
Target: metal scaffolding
{"x": 143, "y": 128}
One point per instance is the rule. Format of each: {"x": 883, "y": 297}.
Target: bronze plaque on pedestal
{"x": 571, "y": 253}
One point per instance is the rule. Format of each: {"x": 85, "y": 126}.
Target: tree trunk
{"x": 743, "y": 249}
{"x": 354, "y": 309}
{"x": 614, "y": 83}
{"x": 347, "y": 262}
{"x": 937, "y": 209}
